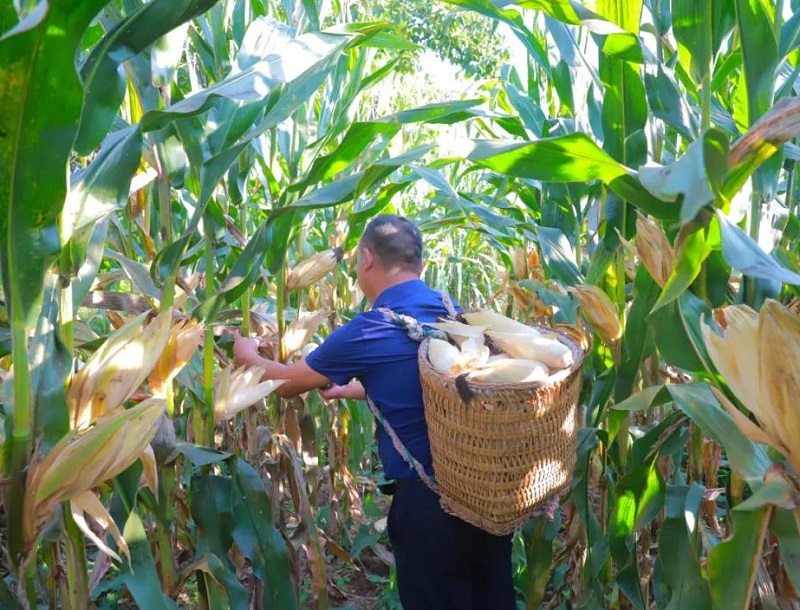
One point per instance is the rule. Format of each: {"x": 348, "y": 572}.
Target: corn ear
{"x": 550, "y": 351}
{"x": 443, "y": 355}
{"x": 184, "y": 339}
{"x": 654, "y": 250}
{"x": 83, "y": 459}
{"x": 457, "y": 329}
{"x": 117, "y": 369}
{"x": 313, "y": 269}
{"x": 600, "y": 312}
{"x": 779, "y": 372}
{"x": 473, "y": 353}
{"x": 519, "y": 263}
{"x": 492, "y": 321}
{"x": 510, "y": 370}
{"x": 235, "y": 390}
{"x": 300, "y": 332}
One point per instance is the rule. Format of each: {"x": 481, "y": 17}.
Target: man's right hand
{"x": 245, "y": 349}
{"x": 353, "y": 391}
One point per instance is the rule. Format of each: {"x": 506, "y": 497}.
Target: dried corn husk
{"x": 510, "y": 370}
{"x": 548, "y": 350}
{"x": 83, "y": 459}
{"x": 654, "y": 250}
{"x": 519, "y": 263}
{"x": 313, "y": 269}
{"x": 235, "y": 390}
{"x": 758, "y": 355}
{"x": 117, "y": 369}
{"x": 600, "y": 312}
{"x": 184, "y": 339}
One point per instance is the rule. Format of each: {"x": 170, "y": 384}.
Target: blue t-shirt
{"x": 379, "y": 353}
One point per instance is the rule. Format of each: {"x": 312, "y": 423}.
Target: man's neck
{"x": 393, "y": 278}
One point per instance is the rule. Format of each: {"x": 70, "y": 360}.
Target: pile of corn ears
{"x": 526, "y": 355}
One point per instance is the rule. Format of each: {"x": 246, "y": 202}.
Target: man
{"x": 442, "y": 562}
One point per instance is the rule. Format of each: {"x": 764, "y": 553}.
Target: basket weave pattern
{"x": 512, "y": 446}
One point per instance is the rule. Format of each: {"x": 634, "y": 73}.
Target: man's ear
{"x": 368, "y": 257}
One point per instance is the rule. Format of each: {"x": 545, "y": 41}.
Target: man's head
{"x": 390, "y": 251}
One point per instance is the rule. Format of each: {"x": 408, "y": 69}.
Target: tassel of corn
{"x": 600, "y": 312}
{"x": 117, "y": 369}
{"x": 184, "y": 339}
{"x": 235, "y": 390}
{"x": 757, "y": 355}
{"x": 83, "y": 459}
{"x": 313, "y": 269}
{"x": 654, "y": 250}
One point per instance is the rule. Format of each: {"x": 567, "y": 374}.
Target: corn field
{"x": 172, "y": 171}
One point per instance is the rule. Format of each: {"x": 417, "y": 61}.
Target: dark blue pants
{"x": 442, "y": 562}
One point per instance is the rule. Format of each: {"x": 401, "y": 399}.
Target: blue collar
{"x": 398, "y": 292}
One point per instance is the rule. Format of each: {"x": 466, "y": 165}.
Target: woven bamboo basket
{"x": 508, "y": 448}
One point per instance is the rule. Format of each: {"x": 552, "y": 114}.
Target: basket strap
{"x": 401, "y": 448}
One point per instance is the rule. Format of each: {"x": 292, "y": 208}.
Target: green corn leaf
{"x": 760, "y": 61}
{"x": 636, "y": 342}
{"x": 785, "y": 527}
{"x": 141, "y": 576}
{"x": 37, "y": 74}
{"x": 677, "y": 335}
{"x": 558, "y": 255}
{"x": 692, "y": 25}
{"x": 699, "y": 403}
{"x": 695, "y": 178}
{"x": 694, "y": 245}
{"x": 103, "y": 186}
{"x": 571, "y": 158}
{"x": 733, "y": 563}
{"x": 258, "y": 538}
{"x": 620, "y": 43}
{"x": 745, "y": 255}
{"x": 104, "y": 81}
{"x": 677, "y": 551}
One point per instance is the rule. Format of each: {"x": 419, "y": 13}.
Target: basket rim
{"x": 426, "y": 368}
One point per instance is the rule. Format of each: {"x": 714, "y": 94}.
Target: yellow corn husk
{"x": 492, "y": 321}
{"x": 88, "y": 503}
{"x": 519, "y": 263}
{"x": 184, "y": 339}
{"x": 510, "y": 370}
{"x": 549, "y": 350}
{"x": 117, "y": 369}
{"x": 576, "y": 334}
{"x": 757, "y": 355}
{"x": 443, "y": 355}
{"x": 600, "y": 312}
{"x": 654, "y": 250}
{"x": 235, "y": 390}
{"x": 313, "y": 269}
{"x": 83, "y": 459}
{"x": 300, "y": 332}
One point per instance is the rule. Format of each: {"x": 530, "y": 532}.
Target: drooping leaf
{"x": 695, "y": 177}
{"x": 677, "y": 335}
{"x": 745, "y": 255}
{"x": 102, "y": 75}
{"x": 699, "y": 403}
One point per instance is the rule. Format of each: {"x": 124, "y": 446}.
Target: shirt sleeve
{"x": 344, "y": 354}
